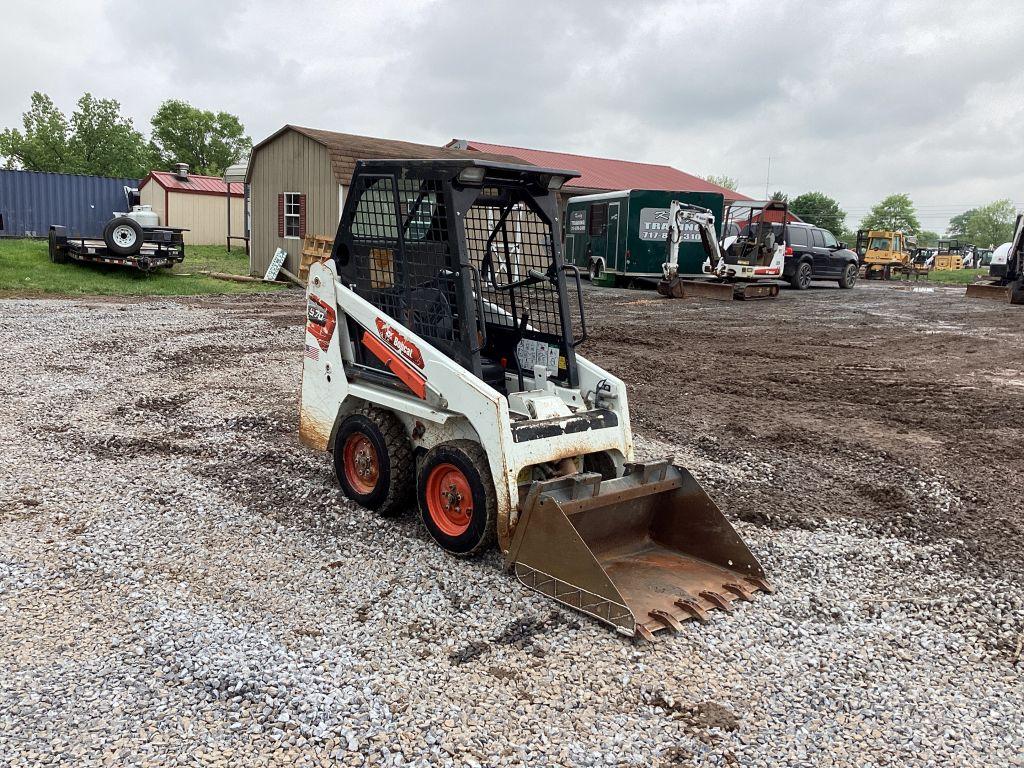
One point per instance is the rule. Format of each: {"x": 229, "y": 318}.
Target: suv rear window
{"x": 817, "y": 238}
{"x": 798, "y": 236}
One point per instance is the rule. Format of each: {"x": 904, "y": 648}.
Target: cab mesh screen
{"x": 505, "y": 243}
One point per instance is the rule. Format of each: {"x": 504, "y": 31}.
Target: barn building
{"x": 603, "y": 174}
{"x": 198, "y": 203}
{"x": 298, "y": 179}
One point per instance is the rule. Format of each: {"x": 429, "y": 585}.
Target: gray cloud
{"x": 856, "y": 99}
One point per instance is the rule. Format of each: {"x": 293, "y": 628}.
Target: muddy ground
{"x": 182, "y": 582}
{"x": 892, "y": 404}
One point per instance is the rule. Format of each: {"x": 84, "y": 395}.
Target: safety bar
{"x": 579, "y": 296}
{"x": 481, "y": 323}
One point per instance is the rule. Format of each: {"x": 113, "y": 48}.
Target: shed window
{"x": 598, "y": 219}
{"x": 292, "y": 214}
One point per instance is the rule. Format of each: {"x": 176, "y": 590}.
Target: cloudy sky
{"x": 855, "y": 99}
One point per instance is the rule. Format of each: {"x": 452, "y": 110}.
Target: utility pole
{"x": 768, "y": 177}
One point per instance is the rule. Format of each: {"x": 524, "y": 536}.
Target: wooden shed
{"x": 198, "y": 203}
{"x": 298, "y": 179}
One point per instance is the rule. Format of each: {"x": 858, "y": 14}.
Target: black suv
{"x": 813, "y": 253}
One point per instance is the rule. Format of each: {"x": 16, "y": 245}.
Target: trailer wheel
{"x": 123, "y": 236}
{"x": 373, "y": 461}
{"x": 456, "y": 497}
{"x": 57, "y": 253}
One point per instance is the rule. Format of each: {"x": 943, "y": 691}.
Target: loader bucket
{"x": 988, "y": 291}
{"x": 643, "y": 552}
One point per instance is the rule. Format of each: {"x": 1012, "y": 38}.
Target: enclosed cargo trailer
{"x": 625, "y": 234}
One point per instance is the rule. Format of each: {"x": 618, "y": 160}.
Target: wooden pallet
{"x": 315, "y": 248}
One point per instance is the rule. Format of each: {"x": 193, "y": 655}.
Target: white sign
{"x": 531, "y": 352}
{"x": 275, "y": 264}
{"x": 578, "y": 222}
{"x": 654, "y": 226}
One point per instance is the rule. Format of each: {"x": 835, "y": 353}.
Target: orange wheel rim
{"x": 449, "y": 499}
{"x": 362, "y": 468}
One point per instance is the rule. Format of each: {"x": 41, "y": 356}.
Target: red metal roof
{"x": 196, "y": 184}
{"x": 599, "y": 173}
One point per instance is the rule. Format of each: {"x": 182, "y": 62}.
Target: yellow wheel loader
{"x": 441, "y": 370}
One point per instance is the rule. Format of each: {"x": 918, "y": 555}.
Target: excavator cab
{"x": 762, "y": 226}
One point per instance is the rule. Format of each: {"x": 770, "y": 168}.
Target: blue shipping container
{"x": 31, "y": 201}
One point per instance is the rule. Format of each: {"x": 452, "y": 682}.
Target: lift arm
{"x": 680, "y": 214}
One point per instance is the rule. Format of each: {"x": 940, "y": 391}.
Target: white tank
{"x": 144, "y": 215}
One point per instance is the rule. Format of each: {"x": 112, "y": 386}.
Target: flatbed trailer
{"x": 160, "y": 247}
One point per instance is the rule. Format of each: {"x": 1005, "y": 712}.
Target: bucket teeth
{"x": 693, "y": 608}
{"x": 718, "y": 599}
{"x": 666, "y": 618}
{"x": 646, "y": 634}
{"x": 761, "y": 584}
{"x": 743, "y": 593}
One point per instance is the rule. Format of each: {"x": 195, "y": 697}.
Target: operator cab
{"x": 760, "y": 227}
{"x": 465, "y": 254}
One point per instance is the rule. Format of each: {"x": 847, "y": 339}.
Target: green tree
{"x": 779, "y": 196}
{"x": 724, "y": 181}
{"x": 43, "y": 145}
{"x": 958, "y": 224}
{"x": 986, "y": 226}
{"x": 97, "y": 140}
{"x": 822, "y": 211}
{"x": 896, "y": 212}
{"x": 104, "y": 142}
{"x": 208, "y": 141}
{"x": 927, "y": 239}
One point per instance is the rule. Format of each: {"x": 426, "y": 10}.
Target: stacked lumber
{"x": 315, "y": 248}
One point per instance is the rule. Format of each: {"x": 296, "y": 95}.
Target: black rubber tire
{"x": 57, "y": 254}
{"x": 393, "y": 492}
{"x": 600, "y": 462}
{"x": 469, "y": 457}
{"x": 123, "y": 249}
{"x": 849, "y": 278}
{"x": 801, "y": 279}
{"x": 1016, "y": 290}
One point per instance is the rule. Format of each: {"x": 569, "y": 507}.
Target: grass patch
{"x": 956, "y": 276}
{"x": 26, "y": 269}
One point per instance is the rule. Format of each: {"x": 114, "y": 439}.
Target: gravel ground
{"x": 182, "y": 583}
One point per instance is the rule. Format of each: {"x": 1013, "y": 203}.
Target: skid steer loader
{"x": 441, "y": 369}
{"x": 744, "y": 266}
{"x": 1006, "y": 272}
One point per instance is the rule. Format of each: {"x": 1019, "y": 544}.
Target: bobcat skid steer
{"x": 1006, "y": 272}
{"x": 441, "y": 370}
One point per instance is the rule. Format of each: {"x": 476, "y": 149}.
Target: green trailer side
{"x": 626, "y": 232}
